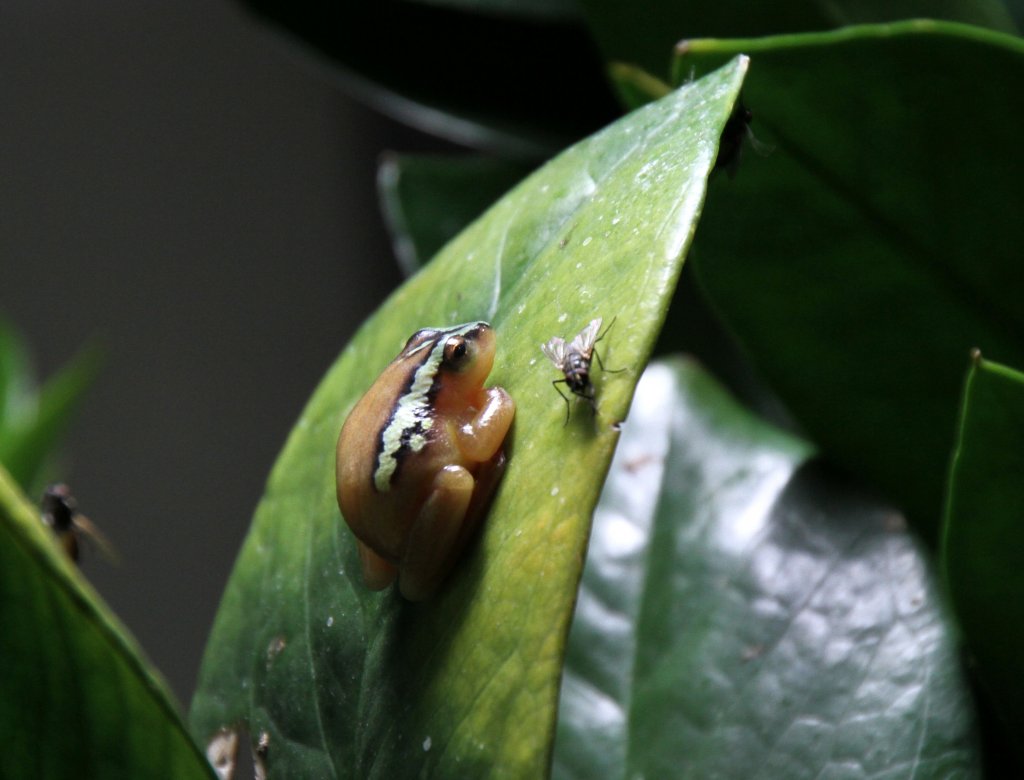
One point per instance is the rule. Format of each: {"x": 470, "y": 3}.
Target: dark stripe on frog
{"x": 411, "y": 419}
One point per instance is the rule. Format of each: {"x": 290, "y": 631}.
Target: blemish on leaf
{"x": 222, "y": 753}
{"x": 259, "y": 756}
{"x": 274, "y": 648}
{"x": 895, "y": 523}
{"x": 752, "y": 652}
{"x": 633, "y": 465}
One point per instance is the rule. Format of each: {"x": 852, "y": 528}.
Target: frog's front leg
{"x": 482, "y": 436}
{"x": 436, "y": 537}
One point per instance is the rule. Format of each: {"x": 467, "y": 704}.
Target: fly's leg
{"x": 555, "y": 383}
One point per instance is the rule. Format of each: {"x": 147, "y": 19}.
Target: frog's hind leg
{"x": 378, "y": 572}
{"x": 436, "y": 537}
{"x": 488, "y": 475}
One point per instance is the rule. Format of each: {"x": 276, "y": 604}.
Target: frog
{"x": 420, "y": 455}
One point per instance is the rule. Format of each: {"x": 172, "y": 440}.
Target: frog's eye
{"x": 456, "y": 353}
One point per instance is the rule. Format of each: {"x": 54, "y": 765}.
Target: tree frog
{"x": 420, "y": 455}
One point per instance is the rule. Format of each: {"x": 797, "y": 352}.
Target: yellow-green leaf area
{"x": 342, "y": 682}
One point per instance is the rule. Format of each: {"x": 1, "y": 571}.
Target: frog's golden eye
{"x": 456, "y": 353}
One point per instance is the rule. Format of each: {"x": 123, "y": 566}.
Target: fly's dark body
{"x": 574, "y": 361}
{"x": 59, "y": 510}
{"x": 735, "y": 134}
{"x": 60, "y": 513}
{"x": 577, "y": 376}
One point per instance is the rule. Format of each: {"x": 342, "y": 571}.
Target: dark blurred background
{"x": 198, "y": 193}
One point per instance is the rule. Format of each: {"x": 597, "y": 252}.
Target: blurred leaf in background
{"x": 859, "y": 261}
{"x": 983, "y": 542}
{"x": 33, "y": 419}
{"x": 644, "y": 33}
{"x": 427, "y": 200}
{"x": 521, "y": 79}
{"x": 746, "y": 612}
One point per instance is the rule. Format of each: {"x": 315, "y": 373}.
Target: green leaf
{"x": 635, "y": 86}
{"x": 17, "y": 388}
{"x": 645, "y": 33}
{"x": 76, "y": 697}
{"x": 428, "y": 199}
{"x": 349, "y": 683}
{"x": 29, "y": 437}
{"x": 862, "y": 258}
{"x": 747, "y": 613}
{"x": 461, "y": 73}
{"x": 983, "y": 540}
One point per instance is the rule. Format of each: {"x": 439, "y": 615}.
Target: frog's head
{"x": 467, "y": 354}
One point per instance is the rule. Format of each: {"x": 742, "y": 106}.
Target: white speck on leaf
{"x": 426, "y": 745}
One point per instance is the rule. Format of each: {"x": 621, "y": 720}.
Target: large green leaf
{"x": 983, "y": 542}
{"x": 746, "y": 613}
{"x": 76, "y": 697}
{"x": 428, "y": 199}
{"x": 348, "y": 683}
{"x": 526, "y": 84}
{"x": 861, "y": 260}
{"x": 644, "y": 33}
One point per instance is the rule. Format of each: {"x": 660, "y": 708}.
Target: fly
{"x": 736, "y": 131}
{"x": 573, "y": 360}
{"x": 60, "y": 514}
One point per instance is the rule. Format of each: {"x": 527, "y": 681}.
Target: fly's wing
{"x": 586, "y": 338}
{"x": 555, "y": 351}
{"x": 88, "y": 529}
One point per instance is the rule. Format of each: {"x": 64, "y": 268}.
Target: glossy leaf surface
{"x": 349, "y": 683}
{"x": 983, "y": 543}
{"x": 862, "y": 257}
{"x": 744, "y": 612}
{"x": 76, "y": 697}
